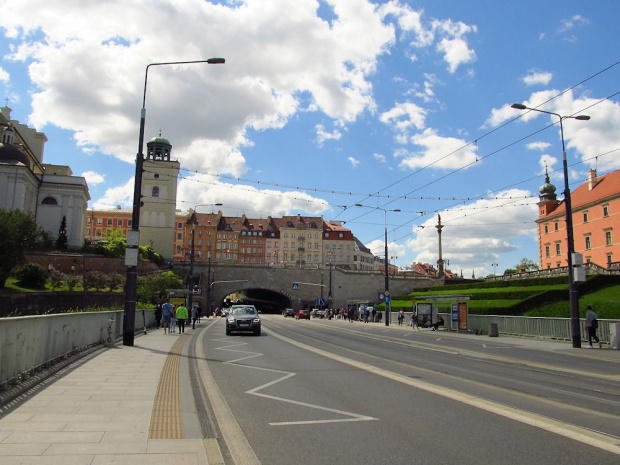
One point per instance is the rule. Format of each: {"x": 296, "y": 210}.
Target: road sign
{"x": 295, "y": 286}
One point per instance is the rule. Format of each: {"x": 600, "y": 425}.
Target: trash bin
{"x": 493, "y": 331}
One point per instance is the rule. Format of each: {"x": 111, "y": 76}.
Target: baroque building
{"x": 596, "y": 222}
{"x": 50, "y": 192}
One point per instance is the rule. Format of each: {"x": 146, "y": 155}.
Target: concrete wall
{"x": 29, "y": 342}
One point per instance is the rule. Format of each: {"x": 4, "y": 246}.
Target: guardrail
{"x": 30, "y": 343}
{"x": 527, "y": 326}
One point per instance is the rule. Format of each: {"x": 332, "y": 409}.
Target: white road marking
{"x": 576, "y": 433}
{"x": 286, "y": 375}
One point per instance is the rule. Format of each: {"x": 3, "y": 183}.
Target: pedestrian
{"x": 373, "y": 315}
{"x": 167, "y": 314}
{"x": 173, "y": 321}
{"x": 366, "y": 315}
{"x": 182, "y": 315}
{"x": 414, "y": 321}
{"x": 592, "y": 326}
{"x": 438, "y": 322}
{"x": 199, "y": 312}
{"x": 380, "y": 316}
{"x": 401, "y": 317}
{"x": 158, "y": 314}
{"x": 194, "y": 316}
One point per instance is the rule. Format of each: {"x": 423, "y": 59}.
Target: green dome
{"x": 159, "y": 140}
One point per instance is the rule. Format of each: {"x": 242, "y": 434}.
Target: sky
{"x": 324, "y": 105}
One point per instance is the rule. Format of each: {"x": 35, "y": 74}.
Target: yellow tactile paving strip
{"x": 166, "y": 422}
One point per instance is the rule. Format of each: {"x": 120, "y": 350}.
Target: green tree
{"x": 115, "y": 244}
{"x": 18, "y": 232}
{"x": 61, "y": 240}
{"x": 31, "y": 275}
{"x": 152, "y": 288}
{"x": 527, "y": 265}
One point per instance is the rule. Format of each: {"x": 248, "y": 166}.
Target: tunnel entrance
{"x": 265, "y": 300}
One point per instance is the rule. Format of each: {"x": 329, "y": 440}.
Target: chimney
{"x": 591, "y": 180}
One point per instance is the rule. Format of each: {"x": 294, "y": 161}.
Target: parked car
{"x": 243, "y": 318}
{"x": 289, "y": 312}
{"x": 302, "y": 315}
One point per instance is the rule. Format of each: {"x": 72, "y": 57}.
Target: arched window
{"x": 49, "y": 201}
{"x": 155, "y": 191}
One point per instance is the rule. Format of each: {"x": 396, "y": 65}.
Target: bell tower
{"x": 159, "y": 197}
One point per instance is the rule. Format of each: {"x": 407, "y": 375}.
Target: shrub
{"x": 95, "y": 280}
{"x": 56, "y": 278}
{"x": 31, "y": 275}
{"x": 72, "y": 281}
{"x": 115, "y": 281}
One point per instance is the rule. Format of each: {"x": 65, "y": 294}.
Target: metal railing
{"x": 528, "y": 326}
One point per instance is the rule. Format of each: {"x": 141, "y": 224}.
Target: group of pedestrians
{"x": 176, "y": 317}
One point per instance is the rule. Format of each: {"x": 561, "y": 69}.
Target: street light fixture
{"x": 388, "y": 303}
{"x": 129, "y": 316}
{"x": 573, "y": 292}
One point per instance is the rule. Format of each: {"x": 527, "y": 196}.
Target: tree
{"x": 526, "y": 265}
{"x": 115, "y": 244}
{"x": 61, "y": 240}
{"x": 18, "y": 232}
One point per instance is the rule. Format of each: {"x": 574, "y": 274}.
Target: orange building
{"x": 596, "y": 218}
{"x": 100, "y": 222}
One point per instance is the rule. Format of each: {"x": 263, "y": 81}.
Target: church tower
{"x": 548, "y": 199}
{"x": 159, "y": 197}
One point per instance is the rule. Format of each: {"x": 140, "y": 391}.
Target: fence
{"x": 29, "y": 343}
{"x": 527, "y": 326}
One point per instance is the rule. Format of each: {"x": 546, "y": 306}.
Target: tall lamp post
{"x": 388, "y": 299}
{"x": 133, "y": 236}
{"x": 573, "y": 292}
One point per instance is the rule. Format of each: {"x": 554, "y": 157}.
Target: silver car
{"x": 243, "y": 318}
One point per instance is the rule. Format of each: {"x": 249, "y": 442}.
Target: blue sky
{"x": 323, "y": 105}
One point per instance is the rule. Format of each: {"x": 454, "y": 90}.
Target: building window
{"x": 547, "y": 250}
{"x": 179, "y": 249}
{"x": 109, "y": 221}
{"x": 179, "y": 225}
{"x": 119, "y": 222}
{"x": 608, "y": 240}
{"x": 179, "y": 236}
{"x": 605, "y": 210}
{"x": 556, "y": 226}
{"x": 585, "y": 217}
{"x": 99, "y": 221}
{"x": 49, "y": 201}
{"x": 588, "y": 243}
{"x": 155, "y": 191}
{"x": 558, "y": 249}
{"x": 546, "y": 229}
{"x": 128, "y": 222}
{"x": 609, "y": 260}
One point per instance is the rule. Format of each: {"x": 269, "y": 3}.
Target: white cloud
{"x": 353, "y": 161}
{"x": 535, "y": 78}
{"x": 379, "y": 157}
{"x": 475, "y": 235}
{"x": 594, "y": 140}
{"x": 258, "y": 88}
{"x": 404, "y": 117}
{"x": 322, "y": 135}
{"x": 4, "y": 76}
{"x": 440, "y": 152}
{"x": 538, "y": 145}
{"x": 93, "y": 178}
{"x": 574, "y": 21}
{"x": 120, "y": 195}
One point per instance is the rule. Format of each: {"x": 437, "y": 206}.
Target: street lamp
{"x": 573, "y": 292}
{"x": 133, "y": 241}
{"x": 388, "y": 303}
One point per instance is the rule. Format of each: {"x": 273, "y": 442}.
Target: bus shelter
{"x": 459, "y": 310}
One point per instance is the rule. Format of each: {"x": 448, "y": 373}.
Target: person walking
{"x": 194, "y": 316}
{"x": 167, "y": 314}
{"x": 173, "y": 321}
{"x": 158, "y": 315}
{"x": 592, "y": 326}
{"x": 182, "y": 316}
{"x": 414, "y": 321}
{"x": 401, "y": 317}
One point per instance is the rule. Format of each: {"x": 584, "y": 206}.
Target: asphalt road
{"x": 317, "y": 392}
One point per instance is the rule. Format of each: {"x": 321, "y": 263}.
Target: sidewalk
{"x": 118, "y": 405}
